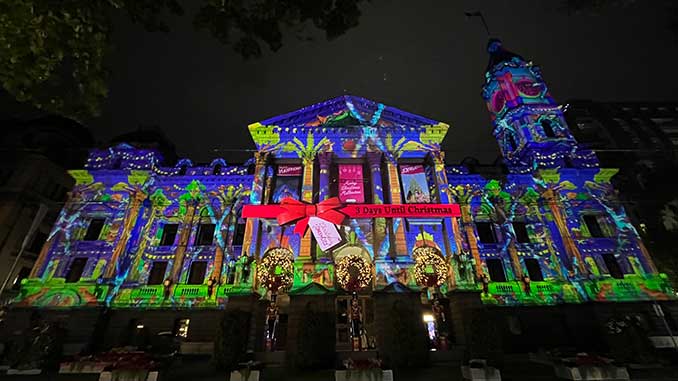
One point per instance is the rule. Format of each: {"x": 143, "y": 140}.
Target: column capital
{"x": 261, "y": 157}
{"x": 324, "y": 159}
{"x": 308, "y": 159}
{"x": 374, "y": 159}
{"x": 438, "y": 156}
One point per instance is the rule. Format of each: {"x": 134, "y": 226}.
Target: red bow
{"x": 300, "y": 212}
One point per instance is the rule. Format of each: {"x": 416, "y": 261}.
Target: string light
{"x": 430, "y": 268}
{"x": 276, "y": 269}
{"x": 353, "y": 272}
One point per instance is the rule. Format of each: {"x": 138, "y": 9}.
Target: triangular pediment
{"x": 312, "y": 288}
{"x": 397, "y": 288}
{"x": 348, "y": 110}
{"x": 349, "y": 125}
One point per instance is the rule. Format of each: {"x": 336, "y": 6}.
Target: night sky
{"x": 424, "y": 57}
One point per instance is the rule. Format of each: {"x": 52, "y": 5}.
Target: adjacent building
{"x": 641, "y": 139}
{"x": 34, "y": 157}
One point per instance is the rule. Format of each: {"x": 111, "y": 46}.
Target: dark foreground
{"x": 517, "y": 368}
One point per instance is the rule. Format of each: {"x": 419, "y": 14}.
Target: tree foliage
{"x": 53, "y": 53}
{"x": 600, "y": 7}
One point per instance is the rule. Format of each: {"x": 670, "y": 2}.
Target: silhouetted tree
{"x": 53, "y": 52}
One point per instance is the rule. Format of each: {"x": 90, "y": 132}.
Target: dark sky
{"x": 421, "y": 56}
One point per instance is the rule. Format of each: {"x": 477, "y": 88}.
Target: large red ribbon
{"x": 290, "y": 210}
{"x": 301, "y": 212}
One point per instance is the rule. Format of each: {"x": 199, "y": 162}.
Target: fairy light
{"x": 430, "y": 268}
{"x": 353, "y": 272}
{"x": 276, "y": 269}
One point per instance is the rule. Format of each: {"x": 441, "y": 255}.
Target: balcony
{"x": 147, "y": 292}
{"x": 630, "y": 288}
{"x": 56, "y": 293}
{"x": 540, "y": 293}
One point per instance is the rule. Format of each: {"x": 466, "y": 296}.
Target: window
{"x": 343, "y": 321}
{"x": 205, "y": 235}
{"x": 593, "y": 225}
{"x": 182, "y": 170}
{"x": 76, "y": 270}
{"x": 496, "y": 269}
{"x": 197, "y": 273}
{"x": 217, "y": 169}
{"x": 613, "y": 266}
{"x": 181, "y": 327}
{"x": 157, "y": 273}
{"x": 345, "y": 184}
{"x": 94, "y": 229}
{"x": 38, "y": 241}
{"x": 520, "y": 229}
{"x": 547, "y": 126}
{"x": 169, "y": 233}
{"x": 230, "y": 278}
{"x": 486, "y": 232}
{"x": 533, "y": 269}
{"x": 23, "y": 274}
{"x": 287, "y": 182}
{"x": 117, "y": 163}
{"x": 351, "y": 183}
{"x": 415, "y": 184}
{"x": 239, "y": 234}
{"x": 513, "y": 144}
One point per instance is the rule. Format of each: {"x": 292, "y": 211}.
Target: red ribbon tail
{"x": 300, "y": 227}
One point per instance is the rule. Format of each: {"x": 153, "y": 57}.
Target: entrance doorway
{"x": 343, "y": 322}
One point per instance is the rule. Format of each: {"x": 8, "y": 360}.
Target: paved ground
{"x": 515, "y": 369}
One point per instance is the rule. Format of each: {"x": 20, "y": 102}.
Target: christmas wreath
{"x": 430, "y": 268}
{"x": 276, "y": 270}
{"x": 353, "y": 272}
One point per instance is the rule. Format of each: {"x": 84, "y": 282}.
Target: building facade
{"x": 641, "y": 139}
{"x": 169, "y": 245}
{"x": 34, "y": 156}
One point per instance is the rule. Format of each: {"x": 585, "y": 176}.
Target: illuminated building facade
{"x": 144, "y": 238}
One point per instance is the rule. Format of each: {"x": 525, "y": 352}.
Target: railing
{"x": 191, "y": 291}
{"x": 147, "y": 292}
{"x": 630, "y": 288}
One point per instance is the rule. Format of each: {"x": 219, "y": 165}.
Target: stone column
{"x": 374, "y": 161}
{"x": 379, "y": 233}
{"x": 442, "y": 184}
{"x": 137, "y": 197}
{"x": 400, "y": 245}
{"x": 324, "y": 160}
{"x": 256, "y": 198}
{"x": 187, "y": 227}
{"x": 307, "y": 196}
{"x": 571, "y": 247}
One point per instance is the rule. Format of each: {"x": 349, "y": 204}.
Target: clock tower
{"x": 528, "y": 124}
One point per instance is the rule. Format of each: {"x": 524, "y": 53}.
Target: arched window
{"x": 217, "y": 169}
{"x": 512, "y": 144}
{"x": 547, "y": 126}
{"x": 182, "y": 170}
{"x": 117, "y": 163}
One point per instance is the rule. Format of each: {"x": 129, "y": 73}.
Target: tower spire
{"x": 528, "y": 123}
{"x": 482, "y": 19}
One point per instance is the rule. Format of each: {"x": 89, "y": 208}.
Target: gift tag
{"x": 326, "y": 234}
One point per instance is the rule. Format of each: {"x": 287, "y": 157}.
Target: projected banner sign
{"x": 351, "y": 183}
{"x": 298, "y": 210}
